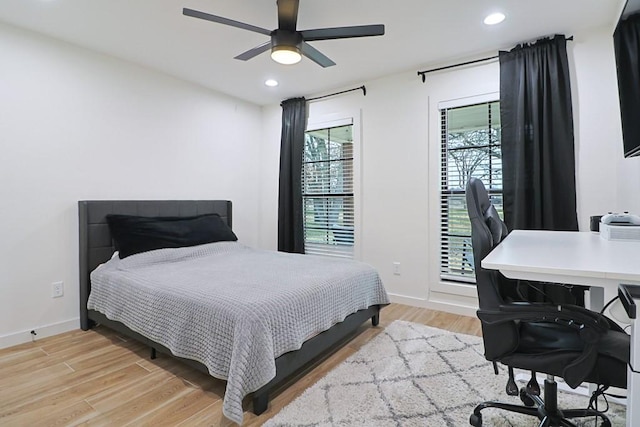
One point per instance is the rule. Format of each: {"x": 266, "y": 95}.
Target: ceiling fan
{"x": 287, "y": 44}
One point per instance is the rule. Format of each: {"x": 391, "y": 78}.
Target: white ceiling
{"x": 419, "y": 34}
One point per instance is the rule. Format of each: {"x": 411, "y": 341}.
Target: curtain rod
{"x": 423, "y": 74}
{"x": 364, "y": 92}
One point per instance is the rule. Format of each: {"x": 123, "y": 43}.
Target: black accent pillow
{"x": 134, "y": 234}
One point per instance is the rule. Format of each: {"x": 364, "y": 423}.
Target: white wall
{"x": 400, "y": 162}
{"x": 269, "y": 176}
{"x": 606, "y": 180}
{"x": 77, "y": 125}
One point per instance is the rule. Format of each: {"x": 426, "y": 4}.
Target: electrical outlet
{"x": 396, "y": 268}
{"x": 57, "y": 289}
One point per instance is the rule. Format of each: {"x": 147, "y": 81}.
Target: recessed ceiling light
{"x": 271, "y": 83}
{"x": 494, "y": 18}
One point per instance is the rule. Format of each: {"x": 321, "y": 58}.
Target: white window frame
{"x": 342, "y": 119}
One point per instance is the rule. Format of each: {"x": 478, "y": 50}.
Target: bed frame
{"x": 96, "y": 247}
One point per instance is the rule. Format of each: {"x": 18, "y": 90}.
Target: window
{"x": 327, "y": 191}
{"x": 470, "y": 148}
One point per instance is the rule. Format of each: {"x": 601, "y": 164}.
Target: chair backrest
{"x": 487, "y": 231}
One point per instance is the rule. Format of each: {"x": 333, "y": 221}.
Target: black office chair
{"x": 567, "y": 341}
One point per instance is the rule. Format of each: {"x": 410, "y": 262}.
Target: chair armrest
{"x": 627, "y": 294}
{"x": 569, "y": 315}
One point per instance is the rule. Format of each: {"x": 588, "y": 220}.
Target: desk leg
{"x": 633, "y": 379}
{"x": 596, "y": 303}
{"x": 596, "y": 298}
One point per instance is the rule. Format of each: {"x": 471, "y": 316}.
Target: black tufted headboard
{"x": 96, "y": 245}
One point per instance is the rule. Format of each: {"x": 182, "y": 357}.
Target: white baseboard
{"x": 454, "y": 306}
{"x": 41, "y": 332}
{"x": 412, "y": 301}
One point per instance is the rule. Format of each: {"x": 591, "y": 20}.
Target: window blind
{"x": 327, "y": 192}
{"x": 470, "y": 138}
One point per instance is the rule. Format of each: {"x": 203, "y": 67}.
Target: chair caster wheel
{"x": 525, "y": 398}
{"x": 475, "y": 420}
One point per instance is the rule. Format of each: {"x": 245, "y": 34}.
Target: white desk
{"x": 579, "y": 258}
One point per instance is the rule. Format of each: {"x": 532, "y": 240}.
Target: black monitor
{"x": 627, "y": 50}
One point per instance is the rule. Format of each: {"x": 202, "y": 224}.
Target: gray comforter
{"x": 230, "y": 307}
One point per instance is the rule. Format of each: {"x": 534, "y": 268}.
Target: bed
{"x": 97, "y": 249}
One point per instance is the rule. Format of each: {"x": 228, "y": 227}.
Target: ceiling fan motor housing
{"x": 285, "y": 38}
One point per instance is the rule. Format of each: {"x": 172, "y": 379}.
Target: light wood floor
{"x": 97, "y": 378}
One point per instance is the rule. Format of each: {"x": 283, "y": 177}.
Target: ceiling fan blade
{"x": 288, "y": 14}
{"x": 316, "y": 56}
{"x": 225, "y": 21}
{"x": 254, "y": 52}
{"x": 343, "y": 32}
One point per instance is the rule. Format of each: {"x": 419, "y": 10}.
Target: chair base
{"x": 546, "y": 411}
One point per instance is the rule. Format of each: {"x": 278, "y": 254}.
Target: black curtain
{"x": 627, "y": 47}
{"x": 538, "y": 161}
{"x": 290, "y": 224}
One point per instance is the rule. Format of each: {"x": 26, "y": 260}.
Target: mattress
{"x": 232, "y": 308}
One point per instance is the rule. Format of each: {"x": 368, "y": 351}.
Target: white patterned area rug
{"x": 415, "y": 375}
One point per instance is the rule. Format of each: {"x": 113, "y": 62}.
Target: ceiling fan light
{"x": 286, "y": 55}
